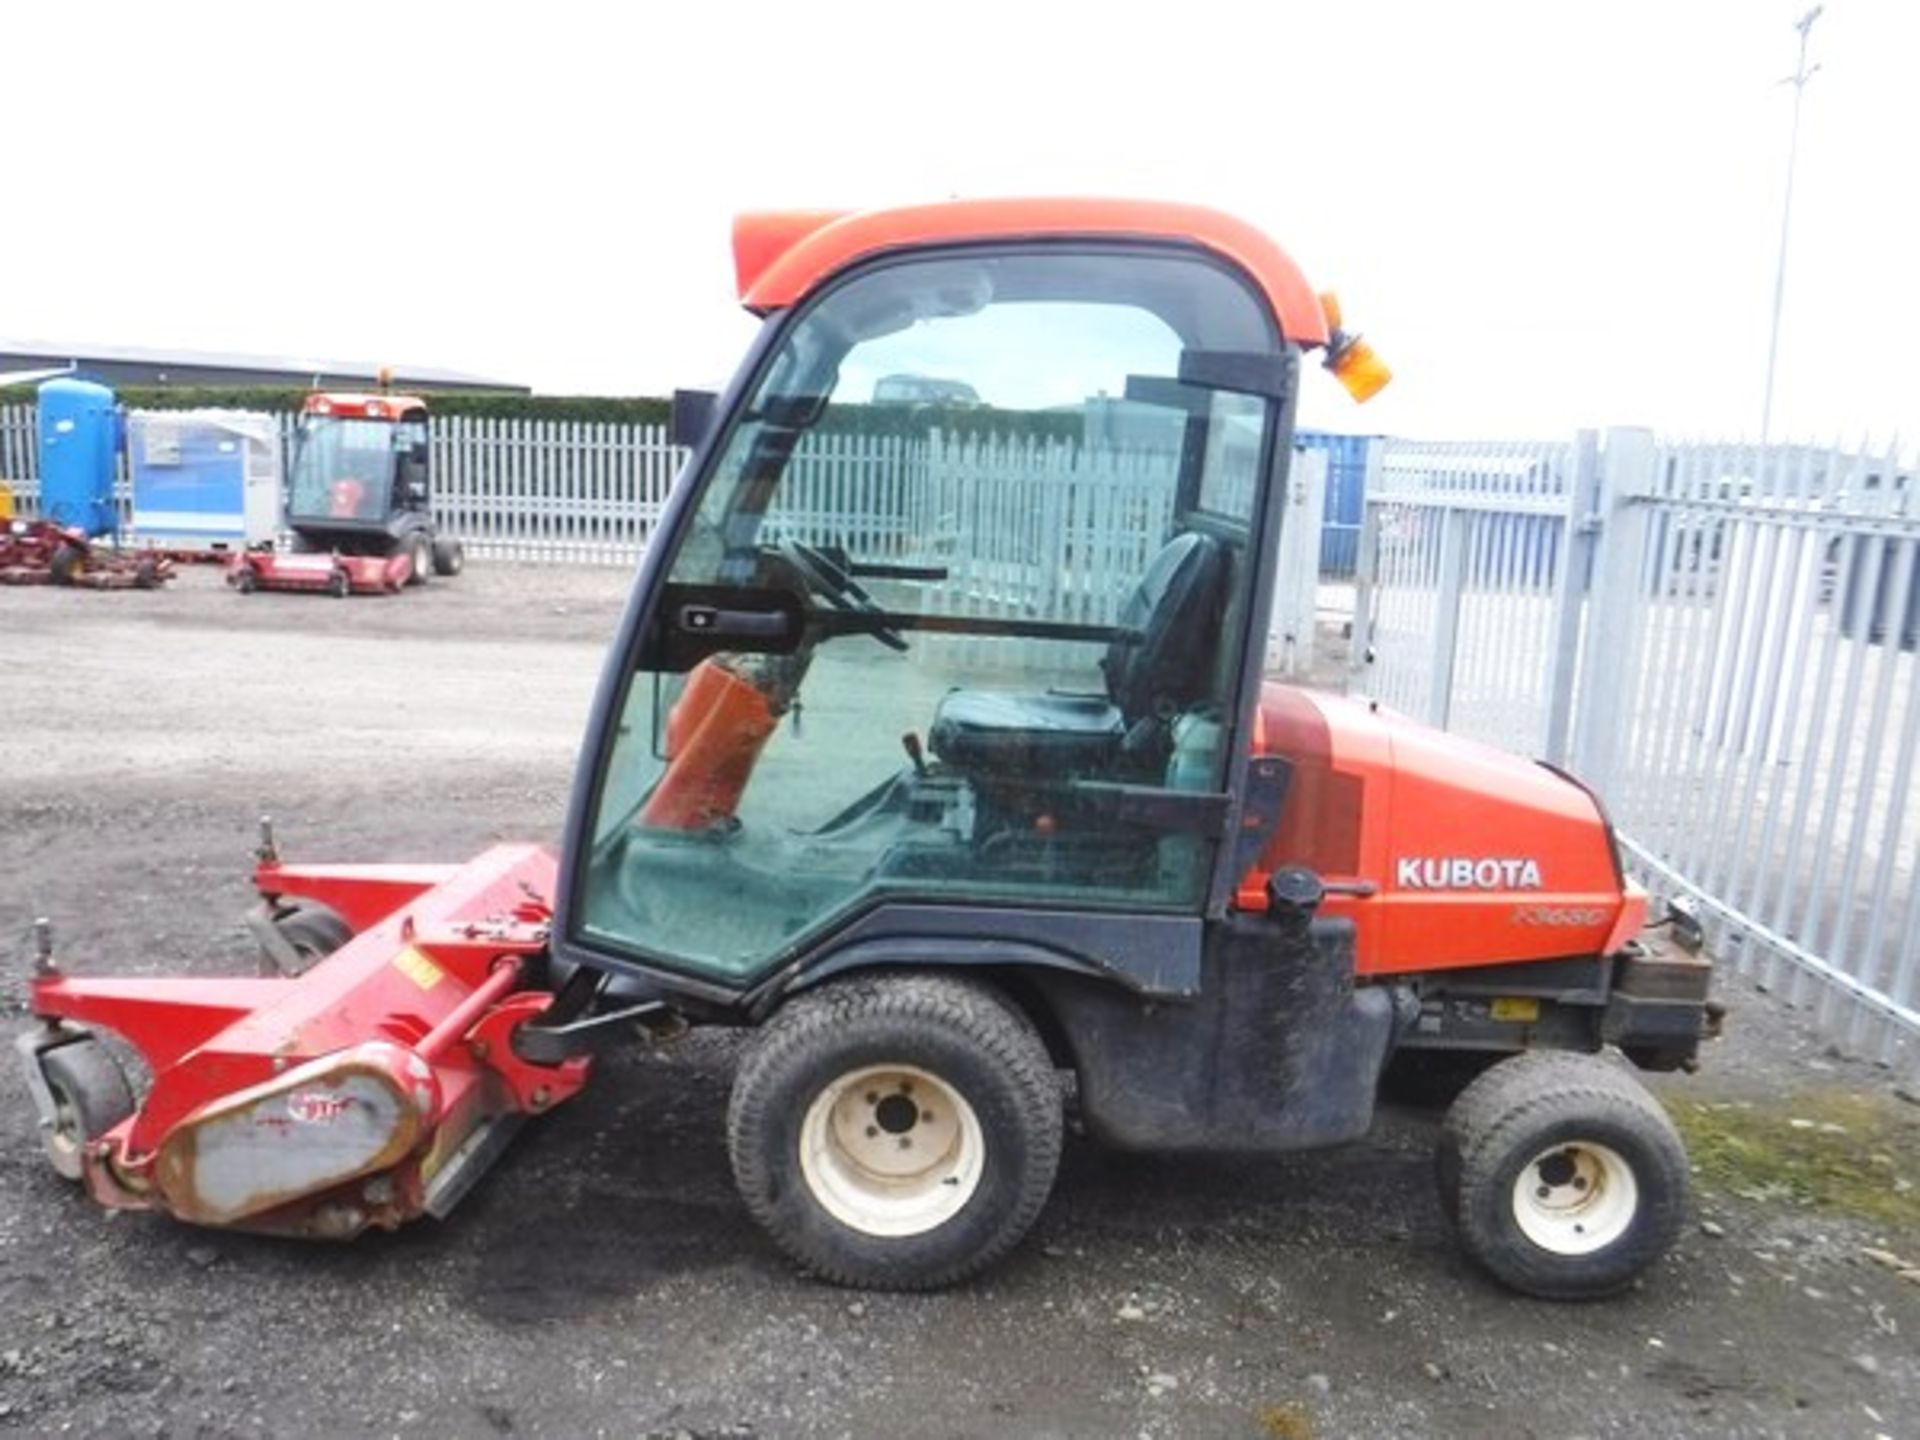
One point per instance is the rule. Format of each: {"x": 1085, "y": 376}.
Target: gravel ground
{"x": 604, "y": 1281}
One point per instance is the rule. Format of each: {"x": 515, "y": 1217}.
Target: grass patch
{"x": 1285, "y": 1422}
{"x": 1836, "y": 1151}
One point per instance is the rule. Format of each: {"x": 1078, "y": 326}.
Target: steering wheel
{"x": 838, "y": 588}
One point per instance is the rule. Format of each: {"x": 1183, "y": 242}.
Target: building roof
{"x": 299, "y": 368}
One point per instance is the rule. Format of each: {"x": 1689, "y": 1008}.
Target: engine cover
{"x": 1449, "y": 852}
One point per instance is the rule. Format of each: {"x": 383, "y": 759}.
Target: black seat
{"x": 1003, "y": 730}
{"x": 1160, "y": 663}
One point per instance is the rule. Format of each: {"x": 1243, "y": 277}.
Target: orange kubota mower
{"x": 947, "y": 776}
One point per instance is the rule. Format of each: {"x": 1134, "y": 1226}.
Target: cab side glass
{"x": 954, "y": 619}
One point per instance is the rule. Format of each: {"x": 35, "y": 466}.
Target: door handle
{"x": 738, "y": 624}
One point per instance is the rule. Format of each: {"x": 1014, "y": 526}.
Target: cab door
{"x": 980, "y": 649}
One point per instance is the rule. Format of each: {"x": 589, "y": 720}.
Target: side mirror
{"x": 692, "y": 417}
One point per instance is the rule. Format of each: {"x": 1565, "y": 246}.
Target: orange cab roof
{"x": 780, "y": 256}
{"x": 356, "y": 405}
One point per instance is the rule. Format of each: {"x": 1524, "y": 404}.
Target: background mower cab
{"x": 359, "y": 502}
{"x": 1044, "y": 816}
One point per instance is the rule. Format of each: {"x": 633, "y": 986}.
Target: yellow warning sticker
{"x": 424, "y": 973}
{"x": 1513, "y": 1007}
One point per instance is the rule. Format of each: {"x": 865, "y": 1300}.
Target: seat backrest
{"x": 1166, "y": 660}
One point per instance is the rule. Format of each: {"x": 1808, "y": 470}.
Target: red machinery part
{"x": 715, "y": 733}
{"x": 359, "y": 405}
{"x": 345, "y": 1098}
{"x": 320, "y": 573}
{"x": 39, "y": 552}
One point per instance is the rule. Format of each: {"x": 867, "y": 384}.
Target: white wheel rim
{"x": 1575, "y": 1198}
{"x": 66, "y": 1137}
{"x": 891, "y": 1150}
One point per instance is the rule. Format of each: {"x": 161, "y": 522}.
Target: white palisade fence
{"x": 1722, "y": 640}
{"x": 1033, "y": 527}
{"x": 582, "y": 492}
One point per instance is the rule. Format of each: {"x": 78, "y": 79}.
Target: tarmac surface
{"x": 604, "y": 1280}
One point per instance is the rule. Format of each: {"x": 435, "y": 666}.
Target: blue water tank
{"x": 1346, "y": 496}
{"x": 79, "y": 439}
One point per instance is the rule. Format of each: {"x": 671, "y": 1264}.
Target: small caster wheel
{"x": 90, "y": 1096}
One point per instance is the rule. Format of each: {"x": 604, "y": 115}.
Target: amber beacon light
{"x": 1354, "y": 362}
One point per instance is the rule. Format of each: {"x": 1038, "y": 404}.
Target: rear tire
{"x": 90, "y": 1096}
{"x": 314, "y": 931}
{"x": 838, "y": 1089}
{"x": 1562, "y": 1175}
{"x": 246, "y": 580}
{"x": 449, "y": 557}
{"x": 339, "y": 585}
{"x": 146, "y": 575}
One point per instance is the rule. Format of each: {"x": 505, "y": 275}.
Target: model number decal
{"x": 312, "y": 1107}
{"x": 1559, "y": 915}
{"x": 1461, "y": 872}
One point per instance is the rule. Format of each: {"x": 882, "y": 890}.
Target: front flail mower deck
{"x": 371, "y": 1088}
{"x": 320, "y": 572}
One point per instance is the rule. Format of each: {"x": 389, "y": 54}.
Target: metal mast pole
{"x": 1801, "y": 74}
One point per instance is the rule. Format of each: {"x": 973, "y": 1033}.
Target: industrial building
{"x": 23, "y": 361}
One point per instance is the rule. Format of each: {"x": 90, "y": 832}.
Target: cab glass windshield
{"x": 342, "y": 468}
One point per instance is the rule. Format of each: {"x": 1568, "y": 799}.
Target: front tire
{"x": 896, "y": 1132}
{"x": 312, "y": 931}
{"x": 90, "y": 1096}
{"x": 1562, "y": 1175}
{"x": 419, "y": 559}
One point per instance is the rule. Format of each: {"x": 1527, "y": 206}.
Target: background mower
{"x": 40, "y": 552}
{"x": 359, "y": 503}
{"x": 1009, "y": 843}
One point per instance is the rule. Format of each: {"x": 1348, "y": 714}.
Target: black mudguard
{"x": 1279, "y": 1051}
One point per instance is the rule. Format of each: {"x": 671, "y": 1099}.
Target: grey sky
{"x": 1545, "y": 215}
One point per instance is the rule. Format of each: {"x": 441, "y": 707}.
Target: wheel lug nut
{"x": 872, "y": 1130}
{"x": 1543, "y": 1192}
{"x": 872, "y": 1099}
{"x": 905, "y": 1143}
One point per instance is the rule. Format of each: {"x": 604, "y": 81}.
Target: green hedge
{"x": 632, "y": 410}
{"x": 913, "y": 421}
